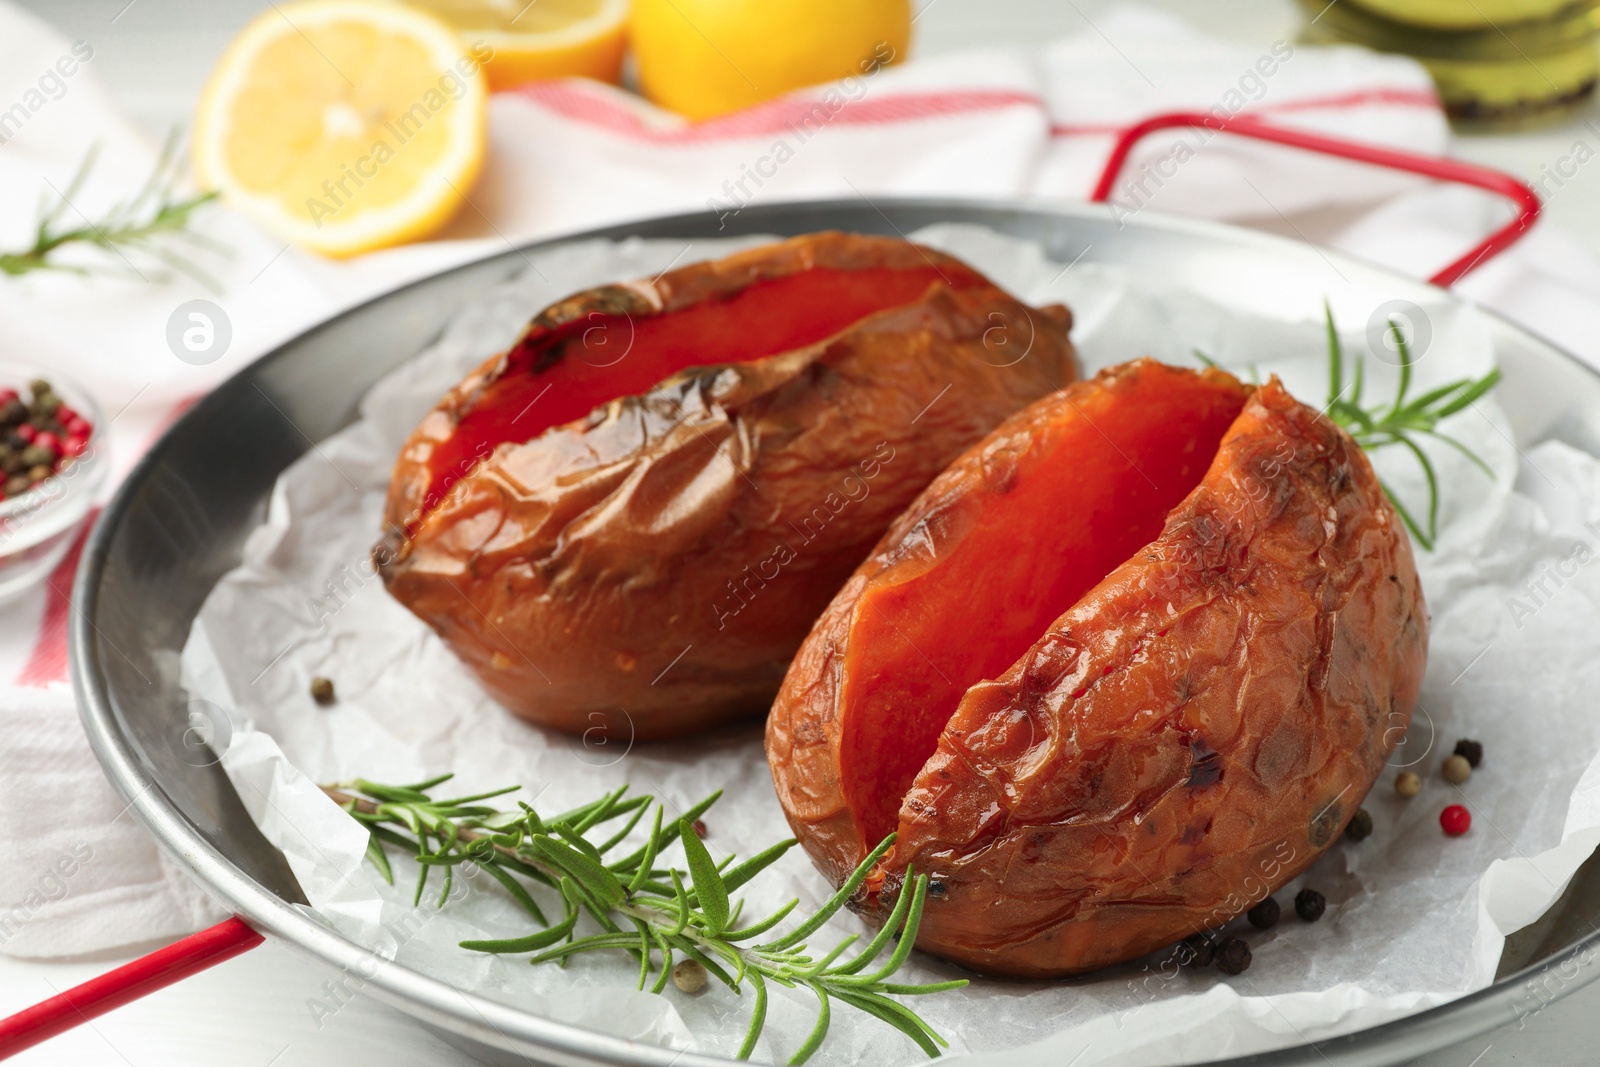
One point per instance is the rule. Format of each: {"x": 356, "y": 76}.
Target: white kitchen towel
{"x": 79, "y": 873}
{"x": 1033, "y": 121}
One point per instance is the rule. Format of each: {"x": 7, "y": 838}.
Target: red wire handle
{"x": 1451, "y": 170}
{"x": 124, "y": 985}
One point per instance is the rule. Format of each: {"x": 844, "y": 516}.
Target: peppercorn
{"x": 689, "y": 976}
{"x": 18, "y": 484}
{"x": 322, "y": 690}
{"x": 1455, "y": 820}
{"x": 1456, "y": 770}
{"x": 1407, "y": 784}
{"x": 1471, "y": 751}
{"x": 1309, "y": 905}
{"x": 40, "y": 472}
{"x": 34, "y": 455}
{"x": 1197, "y": 950}
{"x": 13, "y": 411}
{"x": 1360, "y": 826}
{"x": 1264, "y": 916}
{"x": 48, "y": 404}
{"x": 1233, "y": 956}
{"x": 38, "y": 386}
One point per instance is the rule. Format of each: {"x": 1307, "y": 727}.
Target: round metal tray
{"x": 177, "y": 524}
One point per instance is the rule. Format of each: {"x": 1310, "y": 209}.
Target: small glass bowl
{"x": 38, "y": 527}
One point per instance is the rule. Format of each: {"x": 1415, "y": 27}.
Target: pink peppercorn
{"x": 77, "y": 426}
{"x": 74, "y": 446}
{"x": 48, "y": 440}
{"x": 26, "y": 431}
{"x": 65, "y": 414}
{"x": 1455, "y": 820}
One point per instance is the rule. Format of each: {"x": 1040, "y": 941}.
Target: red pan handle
{"x": 1451, "y": 170}
{"x": 127, "y": 983}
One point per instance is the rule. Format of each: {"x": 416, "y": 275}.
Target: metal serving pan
{"x": 177, "y": 524}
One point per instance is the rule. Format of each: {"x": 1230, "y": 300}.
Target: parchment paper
{"x": 1414, "y": 918}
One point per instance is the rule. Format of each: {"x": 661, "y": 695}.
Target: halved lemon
{"x": 537, "y": 39}
{"x": 344, "y": 125}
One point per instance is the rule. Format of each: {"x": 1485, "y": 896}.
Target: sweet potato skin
{"x": 648, "y": 571}
{"x": 1183, "y": 741}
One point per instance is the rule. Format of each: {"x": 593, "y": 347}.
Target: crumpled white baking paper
{"x": 1414, "y": 918}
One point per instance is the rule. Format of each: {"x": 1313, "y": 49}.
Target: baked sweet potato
{"x": 627, "y": 522}
{"x": 1124, "y": 668}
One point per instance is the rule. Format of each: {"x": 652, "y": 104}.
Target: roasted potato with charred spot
{"x": 627, "y": 522}
{"x": 1126, "y": 667}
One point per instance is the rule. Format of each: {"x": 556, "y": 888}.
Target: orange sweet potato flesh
{"x": 627, "y": 523}
{"x": 1123, "y": 669}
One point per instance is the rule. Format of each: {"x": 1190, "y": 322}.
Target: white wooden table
{"x": 254, "y": 1011}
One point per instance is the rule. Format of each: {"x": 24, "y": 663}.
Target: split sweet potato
{"x": 628, "y": 521}
{"x": 1124, "y": 668}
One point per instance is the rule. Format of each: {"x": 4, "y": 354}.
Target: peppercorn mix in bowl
{"x": 50, "y": 457}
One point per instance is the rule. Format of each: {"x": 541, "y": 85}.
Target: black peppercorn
{"x": 1471, "y": 751}
{"x": 1233, "y": 956}
{"x": 322, "y": 690}
{"x": 1197, "y": 950}
{"x": 1309, "y": 905}
{"x": 689, "y": 976}
{"x": 1360, "y": 826}
{"x": 1264, "y": 916}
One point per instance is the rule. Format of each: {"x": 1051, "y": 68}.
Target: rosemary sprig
{"x": 145, "y": 224}
{"x": 655, "y": 913}
{"x": 1395, "y": 423}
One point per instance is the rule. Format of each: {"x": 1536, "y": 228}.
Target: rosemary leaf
{"x": 758, "y": 1017}
{"x": 753, "y": 866}
{"x": 708, "y": 884}
{"x": 755, "y": 929}
{"x": 378, "y": 857}
{"x": 819, "y": 1032}
{"x": 834, "y": 903}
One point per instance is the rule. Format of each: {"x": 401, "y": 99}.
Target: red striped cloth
{"x": 47, "y": 662}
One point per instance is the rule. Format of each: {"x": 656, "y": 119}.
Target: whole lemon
{"x": 707, "y": 57}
